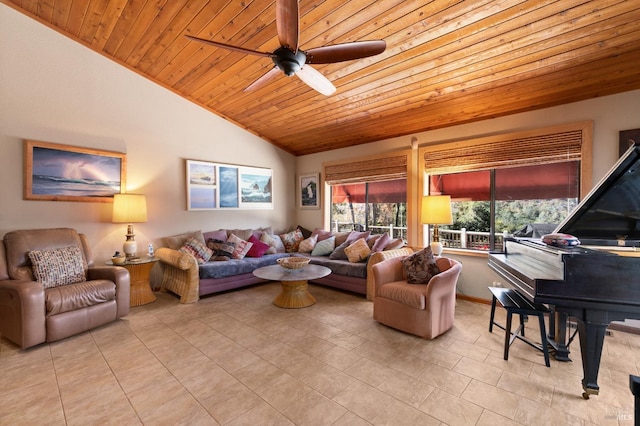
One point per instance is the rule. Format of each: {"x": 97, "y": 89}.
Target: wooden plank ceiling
{"x": 447, "y": 62}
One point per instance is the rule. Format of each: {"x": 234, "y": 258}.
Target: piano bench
{"x": 515, "y": 303}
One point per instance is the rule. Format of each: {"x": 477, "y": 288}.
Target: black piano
{"x": 594, "y": 283}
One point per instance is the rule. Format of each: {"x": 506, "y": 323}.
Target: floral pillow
{"x": 420, "y": 267}
{"x": 242, "y": 246}
{"x": 197, "y": 249}
{"x": 291, "y": 240}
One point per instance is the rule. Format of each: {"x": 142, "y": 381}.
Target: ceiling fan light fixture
{"x": 288, "y": 61}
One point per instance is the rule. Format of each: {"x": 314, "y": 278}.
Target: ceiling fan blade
{"x": 287, "y": 23}
{"x": 230, "y": 47}
{"x": 345, "y": 51}
{"x": 264, "y": 80}
{"x": 315, "y": 80}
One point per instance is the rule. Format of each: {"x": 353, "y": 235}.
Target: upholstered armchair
{"x": 50, "y": 288}
{"x": 426, "y": 310}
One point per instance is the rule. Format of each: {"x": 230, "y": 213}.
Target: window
{"x": 528, "y": 201}
{"x": 370, "y": 193}
{"x": 521, "y": 184}
{"x": 375, "y": 206}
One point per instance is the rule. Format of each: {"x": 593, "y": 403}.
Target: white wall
{"x": 610, "y": 114}
{"x": 55, "y": 90}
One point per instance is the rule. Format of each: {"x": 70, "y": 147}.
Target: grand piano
{"x": 594, "y": 283}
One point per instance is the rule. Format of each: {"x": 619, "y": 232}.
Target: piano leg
{"x": 558, "y": 335}
{"x": 591, "y": 342}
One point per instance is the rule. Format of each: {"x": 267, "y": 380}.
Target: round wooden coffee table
{"x": 295, "y": 288}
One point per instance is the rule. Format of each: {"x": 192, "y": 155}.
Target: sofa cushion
{"x": 242, "y": 246}
{"x": 291, "y": 240}
{"x": 381, "y": 243}
{"x": 420, "y": 267}
{"x": 341, "y": 267}
{"x": 307, "y": 245}
{"x": 408, "y": 294}
{"x": 237, "y": 266}
{"x": 324, "y": 247}
{"x": 357, "y": 251}
{"x": 220, "y": 234}
{"x": 176, "y": 241}
{"x": 57, "y": 267}
{"x": 243, "y": 234}
{"x": 258, "y": 248}
{"x": 338, "y": 252}
{"x": 222, "y": 250}
{"x": 321, "y": 234}
{"x": 197, "y": 249}
{"x": 76, "y": 296}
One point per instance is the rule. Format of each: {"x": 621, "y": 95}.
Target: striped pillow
{"x": 197, "y": 249}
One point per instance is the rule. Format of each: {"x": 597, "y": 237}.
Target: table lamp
{"x": 129, "y": 208}
{"x": 436, "y": 210}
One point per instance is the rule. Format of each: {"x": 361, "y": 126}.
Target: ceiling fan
{"x": 293, "y": 61}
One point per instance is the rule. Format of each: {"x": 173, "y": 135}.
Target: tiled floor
{"x": 235, "y": 359}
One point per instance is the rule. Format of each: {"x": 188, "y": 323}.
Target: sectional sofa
{"x": 191, "y": 275}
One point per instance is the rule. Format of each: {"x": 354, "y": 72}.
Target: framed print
{"x": 201, "y": 185}
{"x": 308, "y": 191}
{"x": 226, "y": 186}
{"x": 255, "y": 188}
{"x": 627, "y": 139}
{"x": 58, "y": 172}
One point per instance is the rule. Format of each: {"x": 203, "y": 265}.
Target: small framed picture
{"x": 309, "y": 191}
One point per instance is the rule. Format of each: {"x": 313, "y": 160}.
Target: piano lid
{"x": 610, "y": 214}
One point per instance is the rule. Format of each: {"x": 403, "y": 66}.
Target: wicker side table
{"x": 139, "y": 272}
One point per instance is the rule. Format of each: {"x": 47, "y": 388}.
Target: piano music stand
{"x": 514, "y": 303}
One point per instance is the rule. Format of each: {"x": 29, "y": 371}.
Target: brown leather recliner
{"x": 31, "y": 314}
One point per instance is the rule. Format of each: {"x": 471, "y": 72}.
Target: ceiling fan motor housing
{"x": 288, "y": 61}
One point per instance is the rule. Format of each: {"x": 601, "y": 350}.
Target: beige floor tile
{"x": 329, "y": 381}
{"x": 364, "y": 400}
{"x": 526, "y": 387}
{"x": 492, "y": 398}
{"x": 350, "y": 419}
{"x": 210, "y": 380}
{"x": 313, "y": 408}
{"x": 263, "y": 415}
{"x": 478, "y": 370}
{"x": 489, "y": 418}
{"x": 400, "y": 414}
{"x": 450, "y": 409}
{"x": 445, "y": 379}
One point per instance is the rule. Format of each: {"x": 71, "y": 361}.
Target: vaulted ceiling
{"x": 447, "y": 62}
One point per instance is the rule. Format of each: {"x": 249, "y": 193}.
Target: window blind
{"x": 370, "y": 170}
{"x": 506, "y": 151}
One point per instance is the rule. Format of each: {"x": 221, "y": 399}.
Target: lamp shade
{"x": 129, "y": 208}
{"x": 436, "y": 210}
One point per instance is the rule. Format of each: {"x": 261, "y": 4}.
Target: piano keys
{"x": 595, "y": 283}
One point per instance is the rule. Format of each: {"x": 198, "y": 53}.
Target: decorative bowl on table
{"x": 119, "y": 260}
{"x": 294, "y": 262}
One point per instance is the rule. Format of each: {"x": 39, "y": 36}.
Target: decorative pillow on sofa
{"x": 258, "y": 248}
{"x": 307, "y": 246}
{"x": 197, "y": 249}
{"x": 324, "y": 247}
{"x": 291, "y": 240}
{"x": 222, "y": 250}
{"x": 321, "y": 234}
{"x": 243, "y": 234}
{"x": 56, "y": 267}
{"x": 273, "y": 241}
{"x": 394, "y": 244}
{"x": 338, "y": 252}
{"x": 305, "y": 232}
{"x": 176, "y": 241}
{"x": 357, "y": 251}
{"x": 420, "y": 267}
{"x": 242, "y": 246}
{"x": 220, "y": 235}
{"x": 381, "y": 242}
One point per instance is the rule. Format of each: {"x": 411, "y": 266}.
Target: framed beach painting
{"x": 309, "y": 191}
{"x": 58, "y": 172}
{"x": 201, "y": 185}
{"x": 226, "y": 186}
